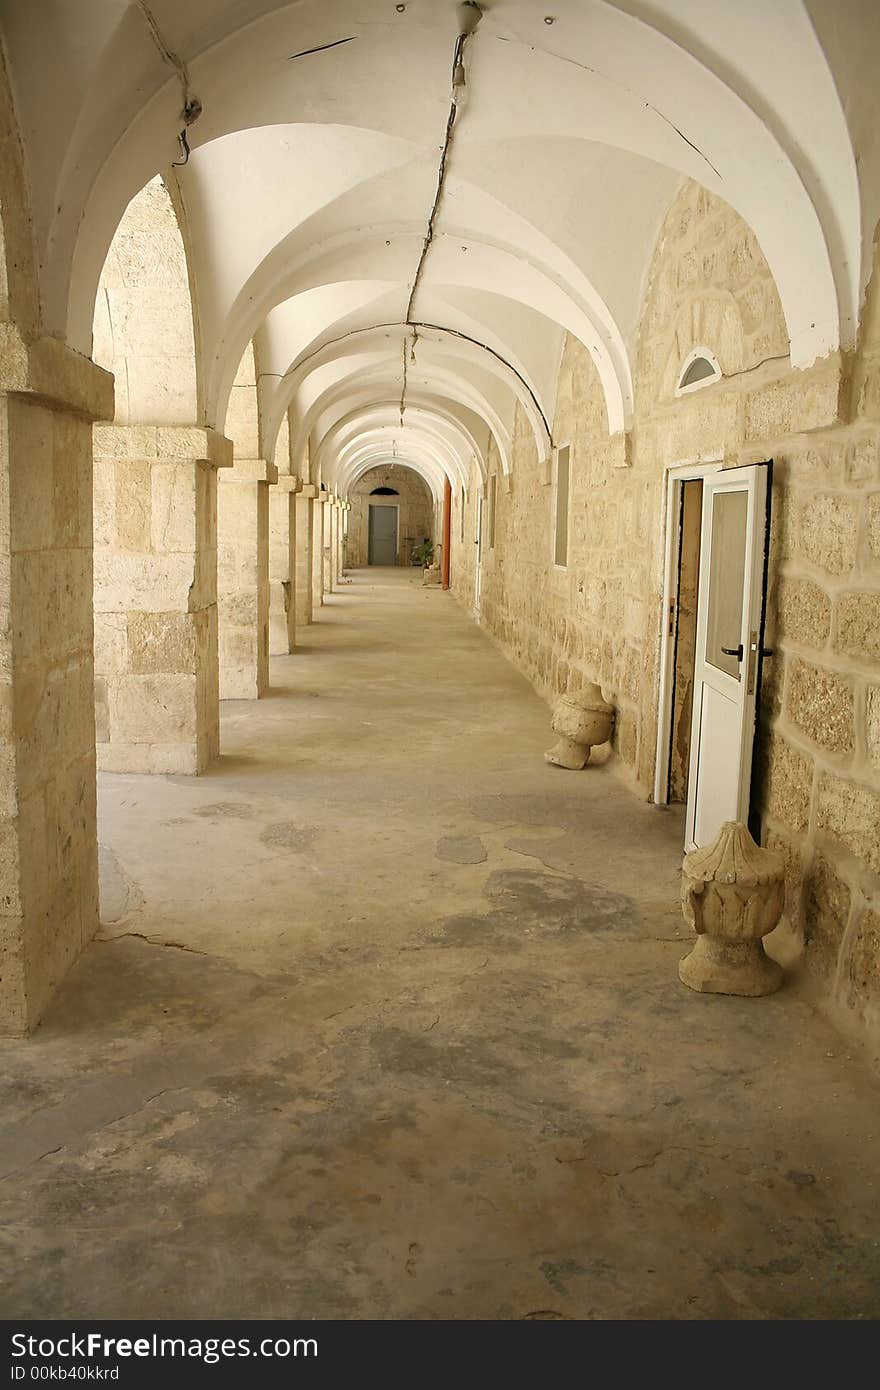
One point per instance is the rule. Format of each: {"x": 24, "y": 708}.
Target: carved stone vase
{"x": 733, "y": 893}
{"x": 581, "y": 720}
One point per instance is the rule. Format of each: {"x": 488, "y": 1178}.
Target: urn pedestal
{"x": 581, "y": 720}
{"x": 733, "y": 893}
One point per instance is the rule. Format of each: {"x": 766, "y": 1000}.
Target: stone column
{"x": 327, "y": 542}
{"x": 49, "y": 397}
{"x": 320, "y": 499}
{"x": 243, "y": 578}
{"x": 155, "y": 515}
{"x": 282, "y": 565}
{"x": 305, "y": 508}
{"x": 344, "y": 509}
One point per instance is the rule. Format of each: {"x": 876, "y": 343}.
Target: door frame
{"x": 675, "y": 475}
{"x": 384, "y": 507}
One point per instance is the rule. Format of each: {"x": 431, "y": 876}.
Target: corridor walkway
{"x": 385, "y": 1022}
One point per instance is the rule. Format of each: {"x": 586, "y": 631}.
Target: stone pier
{"x": 155, "y": 517}
{"x": 305, "y": 508}
{"x": 282, "y": 565}
{"x": 318, "y": 509}
{"x": 243, "y": 578}
{"x": 49, "y": 397}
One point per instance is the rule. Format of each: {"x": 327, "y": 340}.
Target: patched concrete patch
{"x": 559, "y": 903}
{"x": 290, "y": 835}
{"x": 238, "y": 810}
{"x": 461, "y": 849}
{"x": 528, "y": 903}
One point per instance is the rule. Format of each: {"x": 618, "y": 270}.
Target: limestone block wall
{"x": 48, "y": 837}
{"x": 416, "y": 512}
{"x": 817, "y": 782}
{"x": 155, "y": 523}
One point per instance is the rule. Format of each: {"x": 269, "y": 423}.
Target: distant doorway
{"x": 384, "y": 526}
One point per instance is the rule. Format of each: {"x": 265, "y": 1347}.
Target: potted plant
{"x": 423, "y": 554}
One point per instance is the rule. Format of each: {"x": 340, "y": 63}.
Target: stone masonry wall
{"x": 817, "y": 785}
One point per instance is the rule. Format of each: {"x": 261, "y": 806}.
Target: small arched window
{"x": 384, "y": 492}
{"x": 700, "y": 368}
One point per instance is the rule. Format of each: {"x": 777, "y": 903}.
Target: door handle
{"x": 734, "y": 651}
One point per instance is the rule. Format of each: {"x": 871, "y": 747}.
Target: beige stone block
{"x": 120, "y": 756}
{"x": 65, "y": 593}
{"x": 26, "y": 609}
{"x": 31, "y": 477}
{"x": 803, "y": 612}
{"x": 827, "y": 901}
{"x": 850, "y": 813}
{"x": 125, "y": 442}
{"x": 239, "y": 608}
{"x": 133, "y": 505}
{"x": 173, "y": 515}
{"x": 13, "y": 997}
{"x": 873, "y": 503}
{"x": 111, "y": 643}
{"x": 872, "y": 725}
{"x": 822, "y": 704}
{"x": 239, "y": 682}
{"x": 789, "y": 784}
{"x": 102, "y": 709}
{"x": 161, "y": 643}
{"x": 868, "y": 407}
{"x": 237, "y": 645}
{"x": 71, "y": 511}
{"x": 169, "y": 758}
{"x": 153, "y": 708}
{"x": 10, "y": 883}
{"x": 858, "y": 625}
{"x": 828, "y": 529}
{"x": 104, "y": 503}
{"x": 860, "y": 964}
{"x": 162, "y": 388}
{"x": 151, "y": 583}
{"x": 862, "y": 460}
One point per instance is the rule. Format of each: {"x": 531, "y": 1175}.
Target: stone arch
{"x": 717, "y": 293}
{"x": 413, "y": 497}
{"x": 144, "y": 329}
{"x": 155, "y": 505}
{"x": 19, "y": 295}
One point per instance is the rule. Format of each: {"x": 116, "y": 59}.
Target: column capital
{"x": 288, "y": 482}
{"x": 309, "y": 490}
{"x": 251, "y": 471}
{"x": 50, "y": 371}
{"x": 164, "y": 444}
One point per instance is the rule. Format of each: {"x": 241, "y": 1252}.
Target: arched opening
{"x": 155, "y": 500}
{"x": 392, "y": 514}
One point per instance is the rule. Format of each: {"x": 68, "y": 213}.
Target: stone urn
{"x": 581, "y": 720}
{"x": 732, "y": 893}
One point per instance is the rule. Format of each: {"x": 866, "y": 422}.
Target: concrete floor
{"x": 385, "y": 1022}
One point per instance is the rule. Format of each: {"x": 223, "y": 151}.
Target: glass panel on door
{"x": 730, "y": 511}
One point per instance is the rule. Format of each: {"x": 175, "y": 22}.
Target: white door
{"x": 728, "y": 655}
{"x": 478, "y": 542}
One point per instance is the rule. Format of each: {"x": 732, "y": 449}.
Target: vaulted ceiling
{"x": 397, "y": 324}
